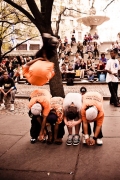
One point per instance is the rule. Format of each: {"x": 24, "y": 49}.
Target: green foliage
{"x": 14, "y": 24}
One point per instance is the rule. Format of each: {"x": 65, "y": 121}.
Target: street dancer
{"x": 92, "y": 111}
{"x": 72, "y": 117}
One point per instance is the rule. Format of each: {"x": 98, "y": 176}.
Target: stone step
{"x": 76, "y": 81}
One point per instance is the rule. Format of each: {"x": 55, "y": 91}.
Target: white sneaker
{"x": 99, "y": 142}
{"x": 12, "y": 107}
{"x": 83, "y": 139}
{"x": 2, "y": 107}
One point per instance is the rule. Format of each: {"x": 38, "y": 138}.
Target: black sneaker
{"x": 69, "y": 140}
{"x": 33, "y": 140}
{"x": 76, "y": 140}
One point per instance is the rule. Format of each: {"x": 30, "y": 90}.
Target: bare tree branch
{"x": 6, "y": 28}
{"x": 108, "y": 5}
{"x": 58, "y": 21}
{"x": 34, "y": 9}
{"x": 76, "y": 11}
{"x": 7, "y": 35}
{"x": 16, "y": 47}
{"x": 12, "y": 3}
{"x": 59, "y": 18}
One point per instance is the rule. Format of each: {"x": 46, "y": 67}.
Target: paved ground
{"x": 21, "y": 160}
{"x": 24, "y": 161}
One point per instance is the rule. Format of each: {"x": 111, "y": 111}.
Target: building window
{"x": 34, "y": 46}
{"x": 22, "y": 47}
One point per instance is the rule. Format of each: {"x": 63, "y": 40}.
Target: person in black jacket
{"x": 7, "y": 89}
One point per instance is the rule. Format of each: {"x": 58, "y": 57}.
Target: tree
{"x": 9, "y": 20}
{"x": 41, "y": 18}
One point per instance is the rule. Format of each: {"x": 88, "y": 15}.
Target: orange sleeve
{"x": 25, "y": 70}
{"x": 100, "y": 118}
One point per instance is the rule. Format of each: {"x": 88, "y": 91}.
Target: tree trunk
{"x": 0, "y": 50}
{"x": 56, "y": 86}
{"x": 42, "y": 21}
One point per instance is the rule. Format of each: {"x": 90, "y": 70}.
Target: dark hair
{"x": 113, "y": 50}
{"x": 52, "y": 118}
{"x": 5, "y": 72}
{"x": 71, "y": 112}
{"x": 103, "y": 54}
{"x": 83, "y": 89}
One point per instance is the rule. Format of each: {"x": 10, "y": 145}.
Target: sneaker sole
{"x": 76, "y": 144}
{"x": 99, "y": 144}
{"x": 68, "y": 144}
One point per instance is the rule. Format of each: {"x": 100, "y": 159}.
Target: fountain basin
{"x": 93, "y": 21}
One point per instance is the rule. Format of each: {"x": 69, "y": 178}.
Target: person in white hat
{"x": 39, "y": 108}
{"x": 92, "y": 111}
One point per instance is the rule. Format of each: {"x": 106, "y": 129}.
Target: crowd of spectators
{"x": 69, "y": 61}
{"x": 93, "y": 67}
{"x": 13, "y": 65}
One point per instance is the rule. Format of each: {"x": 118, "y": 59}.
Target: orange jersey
{"x": 93, "y": 99}
{"x": 39, "y": 73}
{"x": 57, "y": 105}
{"x": 43, "y": 97}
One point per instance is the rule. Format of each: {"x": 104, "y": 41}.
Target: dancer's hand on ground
{"x": 92, "y": 142}
{"x": 41, "y": 138}
{"x": 88, "y": 141}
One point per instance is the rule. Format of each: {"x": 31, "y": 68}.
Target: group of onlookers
{"x": 13, "y": 65}
{"x": 82, "y": 68}
{"x": 76, "y": 64}
{"x": 10, "y": 72}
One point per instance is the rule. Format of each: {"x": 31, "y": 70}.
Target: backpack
{"x": 70, "y": 82}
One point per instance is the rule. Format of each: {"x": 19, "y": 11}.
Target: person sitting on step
{"x": 8, "y": 91}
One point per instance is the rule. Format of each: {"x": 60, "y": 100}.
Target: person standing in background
{"x": 112, "y": 68}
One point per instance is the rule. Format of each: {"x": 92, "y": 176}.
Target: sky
{"x": 107, "y": 31}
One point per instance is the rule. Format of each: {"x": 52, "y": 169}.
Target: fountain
{"x": 93, "y": 20}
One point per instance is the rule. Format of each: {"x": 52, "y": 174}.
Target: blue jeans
{"x": 91, "y": 77}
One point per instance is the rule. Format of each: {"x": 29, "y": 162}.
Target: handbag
{"x": 77, "y": 73}
{"x": 102, "y": 77}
